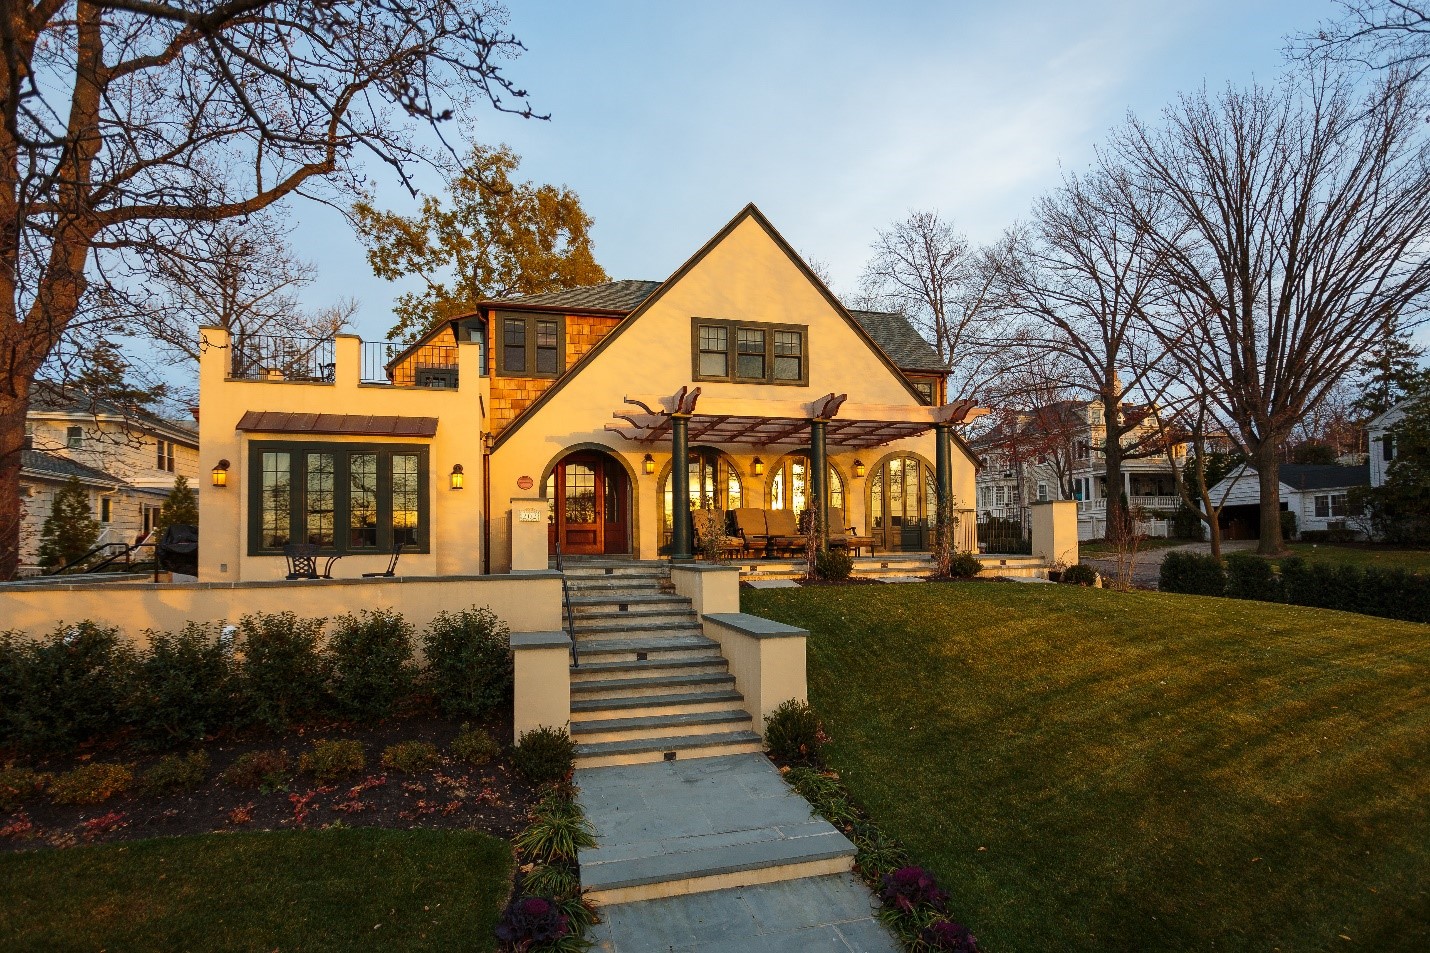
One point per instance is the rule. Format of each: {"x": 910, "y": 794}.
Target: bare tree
{"x": 926, "y": 269}
{"x": 237, "y": 275}
{"x": 123, "y": 120}
{"x": 1388, "y": 36}
{"x": 1298, "y": 228}
{"x": 1083, "y": 276}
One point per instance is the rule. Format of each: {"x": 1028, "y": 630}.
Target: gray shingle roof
{"x": 898, "y": 338}
{"x": 49, "y": 397}
{"x": 1322, "y": 476}
{"x": 62, "y": 468}
{"x": 624, "y": 295}
{"x": 889, "y": 329}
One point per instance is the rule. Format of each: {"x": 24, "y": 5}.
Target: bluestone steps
{"x": 650, "y": 685}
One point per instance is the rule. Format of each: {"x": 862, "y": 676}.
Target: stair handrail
{"x": 566, "y": 603}
{"x": 113, "y": 552}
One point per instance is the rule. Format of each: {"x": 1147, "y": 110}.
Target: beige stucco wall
{"x": 747, "y": 276}
{"x": 1054, "y": 531}
{"x": 455, "y": 515}
{"x": 526, "y": 603}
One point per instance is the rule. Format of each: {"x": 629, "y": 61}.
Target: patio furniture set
{"x": 303, "y": 562}
{"x": 749, "y": 531}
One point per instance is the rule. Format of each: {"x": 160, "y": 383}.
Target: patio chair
{"x": 710, "y": 525}
{"x": 303, "y": 561}
{"x": 750, "y": 528}
{"x": 391, "y": 564}
{"x": 784, "y": 531}
{"x": 844, "y": 537}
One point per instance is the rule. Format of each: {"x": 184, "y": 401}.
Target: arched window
{"x": 789, "y": 484}
{"x": 715, "y": 484}
{"x": 903, "y": 502}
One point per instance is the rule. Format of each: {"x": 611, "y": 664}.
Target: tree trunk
{"x": 1268, "y": 471}
{"x": 1117, "y": 526}
{"x": 12, "y": 443}
{"x": 1212, "y": 517}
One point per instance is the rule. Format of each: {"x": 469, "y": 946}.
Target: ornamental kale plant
{"x": 909, "y": 888}
{"x": 947, "y": 935}
{"x": 527, "y": 921}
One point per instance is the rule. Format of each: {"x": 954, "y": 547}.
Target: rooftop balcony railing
{"x": 261, "y": 357}
{"x": 389, "y": 362}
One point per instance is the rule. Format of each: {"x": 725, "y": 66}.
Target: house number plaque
{"x": 530, "y": 516}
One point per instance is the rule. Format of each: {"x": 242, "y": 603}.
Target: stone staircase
{"x": 650, "y": 686}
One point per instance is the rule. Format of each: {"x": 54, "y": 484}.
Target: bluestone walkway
{"x": 734, "y": 817}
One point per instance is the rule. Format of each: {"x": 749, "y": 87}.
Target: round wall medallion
{"x": 525, "y": 482}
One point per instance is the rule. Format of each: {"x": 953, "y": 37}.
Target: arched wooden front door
{"x": 591, "y": 505}
{"x": 903, "y": 499}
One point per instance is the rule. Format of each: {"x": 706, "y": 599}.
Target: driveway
{"x": 1148, "y": 565}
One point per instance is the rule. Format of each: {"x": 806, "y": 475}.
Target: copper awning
{"x": 363, "y": 425}
{"x": 779, "y": 423}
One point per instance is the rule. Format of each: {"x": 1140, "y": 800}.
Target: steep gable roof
{"x": 625, "y": 295}
{"x": 748, "y": 212}
{"x": 899, "y": 339}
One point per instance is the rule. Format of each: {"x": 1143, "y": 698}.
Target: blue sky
{"x": 835, "y": 118}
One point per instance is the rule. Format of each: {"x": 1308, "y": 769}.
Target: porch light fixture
{"x": 758, "y": 466}
{"x": 858, "y": 468}
{"x": 648, "y": 465}
{"x": 458, "y": 476}
{"x": 220, "y": 474}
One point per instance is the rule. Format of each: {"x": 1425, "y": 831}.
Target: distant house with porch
{"x": 742, "y": 364}
{"x": 1316, "y": 493}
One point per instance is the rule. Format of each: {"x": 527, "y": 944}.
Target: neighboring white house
{"x": 1316, "y": 493}
{"x": 1382, "y": 441}
{"x": 1053, "y": 455}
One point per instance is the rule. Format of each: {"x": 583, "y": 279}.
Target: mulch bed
{"x": 454, "y": 795}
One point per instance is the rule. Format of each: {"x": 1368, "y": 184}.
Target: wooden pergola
{"x": 829, "y": 422}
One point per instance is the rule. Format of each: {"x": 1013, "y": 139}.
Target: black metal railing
{"x": 111, "y": 557}
{"x": 1005, "y": 530}
{"x": 566, "y": 604}
{"x": 389, "y": 362}
{"x": 260, "y": 357}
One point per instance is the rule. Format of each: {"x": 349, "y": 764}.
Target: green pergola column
{"x": 943, "y": 464}
{"x": 680, "y": 487}
{"x": 819, "y": 478}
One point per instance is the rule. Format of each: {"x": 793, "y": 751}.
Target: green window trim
{"x": 319, "y": 488}
{"x": 529, "y": 345}
{"x": 749, "y": 352}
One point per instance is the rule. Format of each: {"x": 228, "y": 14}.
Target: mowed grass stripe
{"x": 1143, "y": 771}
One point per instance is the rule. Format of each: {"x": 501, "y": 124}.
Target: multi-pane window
{"x": 747, "y": 352}
{"x": 165, "y": 455}
{"x": 925, "y": 389}
{"x": 1331, "y": 506}
{"x": 74, "y": 438}
{"x": 531, "y": 346}
{"x": 342, "y": 497}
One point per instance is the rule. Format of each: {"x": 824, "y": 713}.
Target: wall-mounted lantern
{"x": 648, "y": 465}
{"x": 458, "y": 476}
{"x": 858, "y": 468}
{"x": 758, "y": 466}
{"x": 220, "y": 473}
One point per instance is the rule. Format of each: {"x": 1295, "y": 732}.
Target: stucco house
{"x": 127, "y": 459}
{"x": 575, "y": 403}
{"x": 1316, "y": 493}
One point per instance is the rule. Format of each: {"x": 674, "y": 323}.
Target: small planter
{"x": 1055, "y": 575}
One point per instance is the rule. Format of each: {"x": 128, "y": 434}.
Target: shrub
{"x": 66, "y": 690}
{"x": 1187, "y": 524}
{"x": 1080, "y": 575}
{"x": 833, "y": 564}
{"x": 558, "y": 831}
{"x": 544, "y": 754}
{"x": 281, "y": 675}
{"x": 1193, "y": 574}
{"x": 409, "y": 757}
{"x": 333, "y": 758}
{"x": 964, "y": 566}
{"x": 18, "y": 785}
{"x": 474, "y": 746}
{"x": 370, "y": 663}
{"x": 184, "y": 687}
{"x": 1248, "y": 576}
{"x": 469, "y": 665}
{"x": 257, "y": 769}
{"x": 1288, "y": 524}
{"x": 909, "y": 888}
{"x": 175, "y": 773}
{"x": 793, "y": 732}
{"x": 90, "y": 783}
{"x": 528, "y": 921}
{"x": 945, "y": 935}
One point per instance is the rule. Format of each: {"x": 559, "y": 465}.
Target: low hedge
{"x": 1388, "y": 593}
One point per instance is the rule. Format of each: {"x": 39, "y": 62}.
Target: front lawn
{"x": 1364, "y": 555}
{"x": 1093, "y": 770}
{"x": 286, "y": 890}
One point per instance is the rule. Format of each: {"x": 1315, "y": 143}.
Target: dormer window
{"x": 746, "y": 352}
{"x": 530, "y": 345}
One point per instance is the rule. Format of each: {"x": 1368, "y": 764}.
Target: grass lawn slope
{"x": 295, "y": 891}
{"x": 1092, "y": 770}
